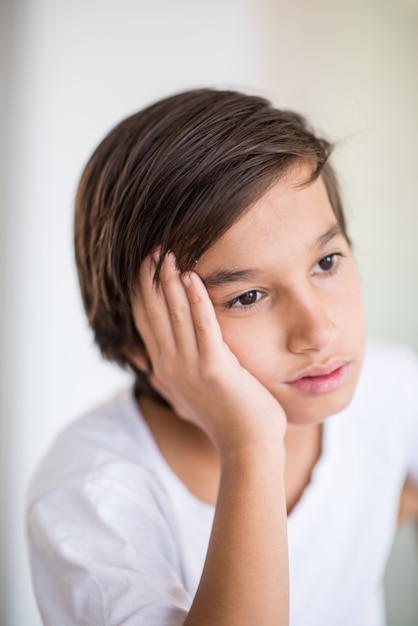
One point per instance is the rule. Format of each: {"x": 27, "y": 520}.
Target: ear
{"x": 140, "y": 359}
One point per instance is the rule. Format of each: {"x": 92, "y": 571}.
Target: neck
{"x": 192, "y": 457}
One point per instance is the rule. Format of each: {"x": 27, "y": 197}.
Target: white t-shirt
{"x": 116, "y": 538}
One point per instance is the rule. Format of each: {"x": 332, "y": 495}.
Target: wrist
{"x": 264, "y": 452}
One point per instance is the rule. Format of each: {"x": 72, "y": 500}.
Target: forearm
{"x": 408, "y": 505}
{"x": 245, "y": 578}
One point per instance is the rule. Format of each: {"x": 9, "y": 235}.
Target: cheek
{"x": 248, "y": 339}
{"x": 350, "y": 310}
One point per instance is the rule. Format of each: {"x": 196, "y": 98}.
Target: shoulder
{"x": 384, "y": 409}
{"x": 98, "y": 478}
{"x": 388, "y": 382}
{"x": 385, "y": 405}
{"x": 108, "y": 444}
{"x": 385, "y": 353}
{"x": 390, "y": 372}
{"x": 101, "y": 525}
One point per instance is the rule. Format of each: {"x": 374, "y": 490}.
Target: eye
{"x": 245, "y": 300}
{"x": 328, "y": 264}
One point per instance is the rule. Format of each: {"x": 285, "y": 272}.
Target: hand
{"x": 408, "y": 503}
{"x": 193, "y": 368}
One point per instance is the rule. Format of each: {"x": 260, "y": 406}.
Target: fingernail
{"x": 186, "y": 279}
{"x": 156, "y": 255}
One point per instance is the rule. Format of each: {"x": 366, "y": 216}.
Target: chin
{"x": 311, "y": 411}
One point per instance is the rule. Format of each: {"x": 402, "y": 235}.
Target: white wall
{"x": 80, "y": 66}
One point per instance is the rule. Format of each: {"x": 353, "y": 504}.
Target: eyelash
{"x": 246, "y": 307}
{"x": 335, "y": 263}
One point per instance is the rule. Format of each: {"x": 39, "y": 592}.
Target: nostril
{"x": 312, "y": 332}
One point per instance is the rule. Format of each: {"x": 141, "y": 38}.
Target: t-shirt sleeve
{"x": 104, "y": 553}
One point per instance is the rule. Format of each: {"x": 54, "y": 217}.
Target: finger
{"x": 178, "y": 306}
{"x": 150, "y": 312}
{"x": 208, "y": 332}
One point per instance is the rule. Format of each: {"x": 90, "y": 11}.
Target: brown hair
{"x": 177, "y": 175}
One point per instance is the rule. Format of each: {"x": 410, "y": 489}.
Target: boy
{"x": 214, "y": 262}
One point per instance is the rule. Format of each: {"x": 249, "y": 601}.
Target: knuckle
{"x": 151, "y": 312}
{"x": 201, "y": 325}
{"x": 202, "y": 321}
{"x": 177, "y": 314}
{"x": 210, "y": 372}
{"x": 165, "y": 278}
{"x": 195, "y": 299}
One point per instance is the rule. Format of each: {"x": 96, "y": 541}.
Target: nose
{"x": 310, "y": 327}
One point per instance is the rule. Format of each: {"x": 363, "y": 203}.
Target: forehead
{"x": 290, "y": 217}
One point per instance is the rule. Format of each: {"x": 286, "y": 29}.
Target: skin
{"x": 276, "y": 295}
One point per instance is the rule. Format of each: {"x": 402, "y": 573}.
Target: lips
{"x": 321, "y": 379}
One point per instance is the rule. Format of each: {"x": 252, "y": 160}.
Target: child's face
{"x": 287, "y": 297}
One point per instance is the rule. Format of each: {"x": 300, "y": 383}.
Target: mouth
{"x": 321, "y": 379}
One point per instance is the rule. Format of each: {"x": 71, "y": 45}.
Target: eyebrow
{"x": 322, "y": 240}
{"x": 224, "y": 277}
